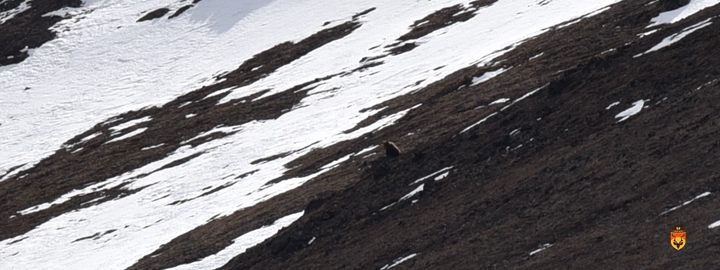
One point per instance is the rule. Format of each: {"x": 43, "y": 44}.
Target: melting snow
{"x": 420, "y": 187}
{"x": 412, "y": 193}
{"x": 366, "y": 150}
{"x": 152, "y": 147}
{"x": 685, "y": 203}
{"x": 487, "y": 76}
{"x": 431, "y": 175}
{"x": 129, "y": 124}
{"x": 89, "y": 137}
{"x": 677, "y": 37}
{"x": 683, "y": 12}
{"x": 66, "y": 197}
{"x": 543, "y": 247}
{"x": 442, "y": 176}
{"x": 714, "y": 224}
{"x": 502, "y": 100}
{"x": 612, "y": 105}
{"x": 398, "y": 261}
{"x": 526, "y": 95}
{"x": 536, "y": 56}
{"x": 387, "y": 206}
{"x": 636, "y": 108}
{"x": 336, "y": 162}
{"x": 128, "y": 135}
{"x": 642, "y": 35}
{"x": 7, "y": 15}
{"x": 478, "y": 122}
{"x": 241, "y": 244}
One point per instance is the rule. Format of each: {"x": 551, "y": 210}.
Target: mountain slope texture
{"x": 222, "y": 134}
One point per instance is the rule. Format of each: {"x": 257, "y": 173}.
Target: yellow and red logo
{"x": 678, "y": 237}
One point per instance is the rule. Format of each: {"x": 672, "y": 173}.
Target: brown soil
{"x": 158, "y": 13}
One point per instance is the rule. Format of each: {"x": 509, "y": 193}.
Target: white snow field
{"x": 683, "y": 12}
{"x": 104, "y": 63}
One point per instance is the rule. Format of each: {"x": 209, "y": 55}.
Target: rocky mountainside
{"x": 576, "y": 137}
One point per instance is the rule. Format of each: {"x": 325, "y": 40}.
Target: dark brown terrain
{"x": 552, "y": 166}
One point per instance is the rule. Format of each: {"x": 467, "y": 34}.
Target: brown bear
{"x": 391, "y": 150}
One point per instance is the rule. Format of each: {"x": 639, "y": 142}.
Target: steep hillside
{"x": 534, "y": 134}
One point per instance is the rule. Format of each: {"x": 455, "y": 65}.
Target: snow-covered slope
{"x": 104, "y": 63}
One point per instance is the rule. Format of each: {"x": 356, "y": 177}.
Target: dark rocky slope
{"x": 573, "y": 176}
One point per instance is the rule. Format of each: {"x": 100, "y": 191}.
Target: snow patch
{"x": 431, "y": 175}
{"x": 642, "y": 35}
{"x": 217, "y": 93}
{"x": 487, "y": 76}
{"x": 241, "y": 244}
{"x": 387, "y": 206}
{"x": 130, "y": 123}
{"x": 368, "y": 149}
{"x": 442, "y": 176}
{"x": 412, "y": 193}
{"x": 398, "y": 261}
{"x": 9, "y": 14}
{"x": 636, "y": 108}
{"x": 66, "y": 197}
{"x": 335, "y": 163}
{"x": 524, "y": 97}
{"x": 152, "y": 147}
{"x": 685, "y": 203}
{"x": 536, "y": 56}
{"x": 677, "y": 37}
{"x": 683, "y": 12}
{"x": 478, "y": 122}
{"x": 499, "y": 101}
{"x": 128, "y": 135}
{"x": 543, "y": 247}
{"x": 83, "y": 140}
{"x": 612, "y": 105}
{"x": 714, "y": 224}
